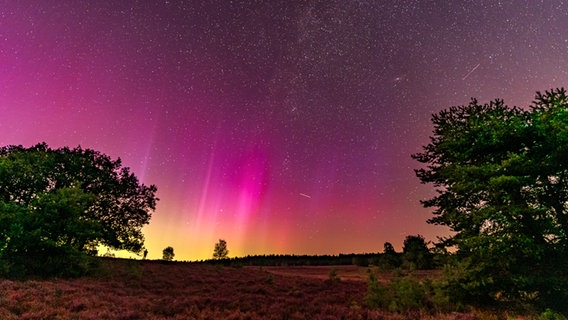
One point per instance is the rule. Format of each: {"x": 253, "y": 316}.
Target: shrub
{"x": 270, "y": 279}
{"x": 58, "y": 262}
{"x": 438, "y": 297}
{"x": 408, "y": 294}
{"x": 400, "y": 295}
{"x": 378, "y": 296}
{"x": 333, "y": 276}
{"x": 134, "y": 270}
{"x": 551, "y": 315}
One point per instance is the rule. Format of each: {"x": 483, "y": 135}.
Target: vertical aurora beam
{"x": 205, "y": 215}
{"x": 251, "y": 189}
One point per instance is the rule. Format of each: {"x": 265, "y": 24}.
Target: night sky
{"x": 279, "y": 126}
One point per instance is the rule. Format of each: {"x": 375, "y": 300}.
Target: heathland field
{"x": 134, "y": 289}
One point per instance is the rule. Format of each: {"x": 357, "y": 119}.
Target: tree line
{"x": 415, "y": 255}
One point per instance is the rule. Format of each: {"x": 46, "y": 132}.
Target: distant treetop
{"x": 220, "y": 251}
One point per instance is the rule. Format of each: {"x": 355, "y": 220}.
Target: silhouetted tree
{"x": 168, "y": 254}
{"x": 220, "y": 251}
{"x": 389, "y": 259}
{"x": 56, "y": 206}
{"x": 388, "y": 248}
{"x": 501, "y": 176}
{"x": 416, "y": 253}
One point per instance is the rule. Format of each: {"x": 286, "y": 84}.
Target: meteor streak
{"x": 470, "y": 72}
{"x": 305, "y": 195}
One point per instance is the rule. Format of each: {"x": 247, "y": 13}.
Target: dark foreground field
{"x": 128, "y": 289}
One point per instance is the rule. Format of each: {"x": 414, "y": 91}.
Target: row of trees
{"x": 416, "y": 254}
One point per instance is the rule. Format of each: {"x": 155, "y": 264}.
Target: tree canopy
{"x": 56, "y": 203}
{"x": 501, "y": 177}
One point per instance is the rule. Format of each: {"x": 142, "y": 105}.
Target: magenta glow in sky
{"x": 281, "y": 127}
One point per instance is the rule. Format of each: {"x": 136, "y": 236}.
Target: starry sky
{"x": 283, "y": 127}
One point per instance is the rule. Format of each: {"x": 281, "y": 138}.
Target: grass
{"x": 128, "y": 289}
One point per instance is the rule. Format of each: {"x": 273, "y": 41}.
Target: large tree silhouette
{"x": 56, "y": 204}
{"x": 501, "y": 176}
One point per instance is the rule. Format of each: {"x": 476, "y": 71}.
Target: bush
{"x": 333, "y": 277}
{"x": 378, "y": 296}
{"x": 465, "y": 284}
{"x": 56, "y": 262}
{"x": 438, "y": 297}
{"x": 270, "y": 278}
{"x": 551, "y": 315}
{"x": 408, "y": 295}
